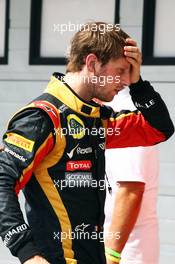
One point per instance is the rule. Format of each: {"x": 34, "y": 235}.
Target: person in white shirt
{"x": 131, "y": 207}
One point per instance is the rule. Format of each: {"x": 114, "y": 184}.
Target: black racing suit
{"x": 54, "y": 153}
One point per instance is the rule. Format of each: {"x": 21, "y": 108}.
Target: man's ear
{"x": 90, "y": 62}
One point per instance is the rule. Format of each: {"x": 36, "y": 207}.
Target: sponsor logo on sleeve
{"x": 45, "y": 107}
{"x": 14, "y": 154}
{"x": 20, "y": 141}
{"x": 145, "y": 105}
{"x": 14, "y": 231}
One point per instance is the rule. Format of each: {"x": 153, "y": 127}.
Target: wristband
{"x": 112, "y": 252}
{"x": 113, "y": 259}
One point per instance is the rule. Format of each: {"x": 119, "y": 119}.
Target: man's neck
{"x": 78, "y": 83}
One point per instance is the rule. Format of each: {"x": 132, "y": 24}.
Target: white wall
{"x": 20, "y": 82}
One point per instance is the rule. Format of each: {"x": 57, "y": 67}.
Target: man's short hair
{"x": 104, "y": 40}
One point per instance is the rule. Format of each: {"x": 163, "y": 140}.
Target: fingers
{"x": 132, "y": 49}
{"x": 134, "y": 55}
{"x": 132, "y": 61}
{"x": 131, "y": 42}
{"x": 133, "y": 52}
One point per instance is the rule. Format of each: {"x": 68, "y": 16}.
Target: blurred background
{"x": 34, "y": 40}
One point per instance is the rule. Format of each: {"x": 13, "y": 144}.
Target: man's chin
{"x": 106, "y": 99}
{"x": 109, "y": 99}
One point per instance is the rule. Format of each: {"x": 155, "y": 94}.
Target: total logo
{"x": 78, "y": 165}
{"x": 79, "y": 150}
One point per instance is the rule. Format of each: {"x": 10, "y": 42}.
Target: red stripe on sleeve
{"x": 50, "y": 109}
{"x": 132, "y": 130}
{"x": 42, "y": 152}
